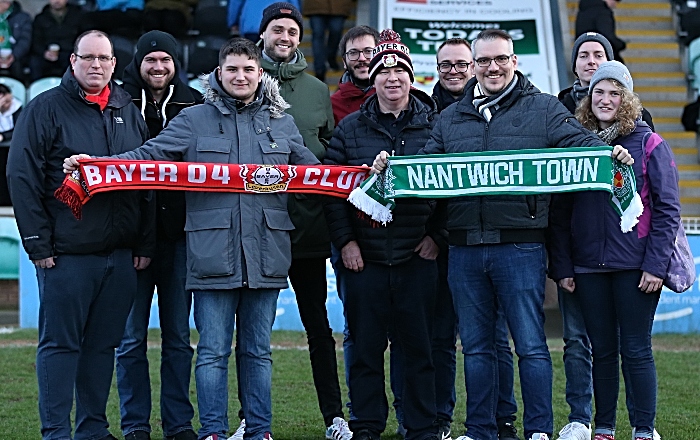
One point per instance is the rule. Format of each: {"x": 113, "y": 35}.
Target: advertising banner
{"x": 425, "y": 24}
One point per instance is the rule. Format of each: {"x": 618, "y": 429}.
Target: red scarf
{"x": 100, "y": 175}
{"x": 101, "y": 98}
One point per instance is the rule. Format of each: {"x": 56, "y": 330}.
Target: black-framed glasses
{"x": 460, "y": 67}
{"x": 91, "y": 58}
{"x": 354, "y": 55}
{"x": 501, "y": 60}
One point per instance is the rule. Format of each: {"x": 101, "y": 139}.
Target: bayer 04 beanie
{"x": 156, "y": 41}
{"x": 612, "y": 70}
{"x": 282, "y": 10}
{"x": 390, "y": 52}
{"x": 586, "y": 37}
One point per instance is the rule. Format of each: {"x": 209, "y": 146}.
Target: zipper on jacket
{"x": 481, "y": 198}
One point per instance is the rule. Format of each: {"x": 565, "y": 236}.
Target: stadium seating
{"x": 203, "y": 54}
{"x": 210, "y": 19}
{"x": 694, "y": 64}
{"x": 195, "y": 84}
{"x": 42, "y": 85}
{"x": 16, "y": 87}
{"x": 9, "y": 249}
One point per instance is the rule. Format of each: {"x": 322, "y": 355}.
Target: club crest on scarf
{"x": 267, "y": 178}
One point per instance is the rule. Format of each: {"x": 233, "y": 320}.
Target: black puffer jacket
{"x": 170, "y": 212}
{"x": 526, "y": 119}
{"x": 596, "y": 16}
{"x": 357, "y": 140}
{"x": 55, "y": 125}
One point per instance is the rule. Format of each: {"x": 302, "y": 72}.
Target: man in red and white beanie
{"x": 390, "y": 52}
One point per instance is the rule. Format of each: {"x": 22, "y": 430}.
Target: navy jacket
{"x": 55, "y": 125}
{"x": 585, "y": 229}
{"x": 357, "y": 140}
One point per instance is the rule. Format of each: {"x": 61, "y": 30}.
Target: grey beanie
{"x": 590, "y": 36}
{"x": 612, "y": 70}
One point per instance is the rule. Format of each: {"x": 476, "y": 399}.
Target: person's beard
{"x": 363, "y": 83}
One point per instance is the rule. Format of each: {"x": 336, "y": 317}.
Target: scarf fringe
{"x": 362, "y": 201}
{"x": 68, "y": 195}
{"x": 630, "y": 216}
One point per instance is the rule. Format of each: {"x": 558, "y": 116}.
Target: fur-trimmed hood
{"x": 268, "y": 92}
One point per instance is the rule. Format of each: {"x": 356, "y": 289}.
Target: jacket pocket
{"x": 275, "y": 152}
{"x": 276, "y": 250}
{"x": 209, "y": 247}
{"x": 213, "y": 149}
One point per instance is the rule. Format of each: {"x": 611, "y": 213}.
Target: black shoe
{"x": 183, "y": 435}
{"x": 364, "y": 434}
{"x": 109, "y": 437}
{"x": 444, "y": 430}
{"x": 507, "y": 432}
{"x": 135, "y": 435}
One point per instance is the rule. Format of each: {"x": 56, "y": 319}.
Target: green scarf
{"x": 551, "y": 170}
{"x": 5, "y": 30}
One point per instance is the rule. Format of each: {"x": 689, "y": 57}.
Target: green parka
{"x": 310, "y": 105}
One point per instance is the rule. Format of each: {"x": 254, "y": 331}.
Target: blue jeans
{"x": 325, "y": 49}
{"x": 167, "y": 271}
{"x": 619, "y": 319}
{"x": 511, "y": 276}
{"x": 578, "y": 365}
{"x": 84, "y": 302}
{"x": 215, "y": 313}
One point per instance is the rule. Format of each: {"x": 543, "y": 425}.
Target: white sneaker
{"x": 238, "y": 435}
{"x": 575, "y": 431}
{"x": 656, "y": 434}
{"x": 339, "y": 430}
{"x": 539, "y": 436}
{"x": 464, "y": 437}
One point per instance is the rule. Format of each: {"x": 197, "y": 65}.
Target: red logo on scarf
{"x": 267, "y": 178}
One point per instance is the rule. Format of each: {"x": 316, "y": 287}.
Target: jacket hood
{"x": 268, "y": 91}
{"x": 285, "y": 71}
{"x": 16, "y": 8}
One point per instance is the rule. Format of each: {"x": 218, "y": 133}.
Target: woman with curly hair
{"x": 618, "y": 276}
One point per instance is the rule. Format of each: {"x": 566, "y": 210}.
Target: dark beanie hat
{"x": 155, "y": 41}
{"x": 390, "y": 52}
{"x": 590, "y": 36}
{"x": 282, "y": 10}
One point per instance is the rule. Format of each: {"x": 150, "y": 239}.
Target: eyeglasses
{"x": 501, "y": 60}
{"x": 90, "y": 58}
{"x": 354, "y": 55}
{"x": 459, "y": 67}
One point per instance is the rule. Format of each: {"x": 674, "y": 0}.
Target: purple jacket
{"x": 584, "y": 229}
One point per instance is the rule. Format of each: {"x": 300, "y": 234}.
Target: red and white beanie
{"x": 390, "y": 52}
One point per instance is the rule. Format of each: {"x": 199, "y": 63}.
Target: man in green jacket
{"x": 281, "y": 29}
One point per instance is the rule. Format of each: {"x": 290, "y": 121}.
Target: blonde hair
{"x": 628, "y": 113}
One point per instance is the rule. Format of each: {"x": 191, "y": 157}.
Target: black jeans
{"x": 308, "y": 277}
{"x": 402, "y": 296}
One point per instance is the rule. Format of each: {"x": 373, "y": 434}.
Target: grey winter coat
{"x": 234, "y": 240}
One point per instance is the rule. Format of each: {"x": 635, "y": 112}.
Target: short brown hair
{"x": 357, "y": 32}
{"x": 454, "y": 42}
{"x": 240, "y": 46}
{"x": 492, "y": 34}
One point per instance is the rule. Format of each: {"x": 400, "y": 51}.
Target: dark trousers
{"x": 84, "y": 303}
{"x": 619, "y": 319}
{"x": 403, "y": 297}
{"x": 308, "y": 277}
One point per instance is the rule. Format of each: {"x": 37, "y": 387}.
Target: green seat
{"x": 17, "y": 88}
{"x": 42, "y": 85}
{"x": 9, "y": 249}
{"x": 694, "y": 62}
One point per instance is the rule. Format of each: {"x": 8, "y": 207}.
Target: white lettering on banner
{"x": 512, "y": 172}
{"x": 445, "y": 177}
{"x": 504, "y": 166}
{"x": 480, "y": 174}
{"x": 572, "y": 171}
{"x": 112, "y": 174}
{"x": 307, "y": 176}
{"x": 590, "y": 170}
{"x": 128, "y": 172}
{"x": 196, "y": 173}
{"x": 167, "y": 170}
{"x": 430, "y": 179}
{"x": 477, "y": 176}
{"x": 220, "y": 172}
{"x": 324, "y": 179}
{"x": 553, "y": 172}
{"x": 346, "y": 184}
{"x": 148, "y": 172}
{"x": 92, "y": 174}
